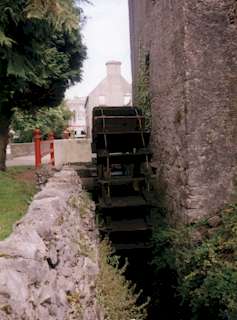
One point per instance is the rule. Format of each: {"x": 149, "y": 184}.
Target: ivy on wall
{"x": 232, "y": 13}
{"x": 142, "y": 89}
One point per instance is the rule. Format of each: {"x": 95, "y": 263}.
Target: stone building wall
{"x": 192, "y": 50}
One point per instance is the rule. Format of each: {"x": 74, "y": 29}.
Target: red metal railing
{"x": 43, "y": 148}
{"x": 37, "y": 138}
{"x": 51, "y": 148}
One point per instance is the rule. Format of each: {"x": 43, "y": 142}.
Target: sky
{"x": 106, "y": 35}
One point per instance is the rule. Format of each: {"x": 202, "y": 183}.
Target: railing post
{"x": 51, "y": 146}
{"x": 37, "y": 138}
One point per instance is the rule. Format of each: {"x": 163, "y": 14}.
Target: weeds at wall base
{"x": 115, "y": 294}
{"x": 204, "y": 268}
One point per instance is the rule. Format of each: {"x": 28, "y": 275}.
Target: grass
{"x": 17, "y": 187}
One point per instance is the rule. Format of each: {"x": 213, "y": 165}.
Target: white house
{"x": 114, "y": 90}
{"x": 77, "y": 124}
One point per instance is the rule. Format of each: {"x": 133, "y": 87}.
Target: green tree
{"x": 41, "y": 54}
{"x": 46, "y": 119}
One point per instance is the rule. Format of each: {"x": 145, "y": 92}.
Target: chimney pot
{"x": 113, "y": 67}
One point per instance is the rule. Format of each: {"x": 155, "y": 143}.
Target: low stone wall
{"x": 22, "y": 149}
{"x": 28, "y": 149}
{"x": 72, "y": 151}
{"x": 65, "y": 150}
{"x": 49, "y": 264}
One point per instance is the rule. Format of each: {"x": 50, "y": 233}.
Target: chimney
{"x": 113, "y": 68}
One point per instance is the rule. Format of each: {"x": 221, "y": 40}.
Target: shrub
{"x": 115, "y": 294}
{"x": 206, "y": 269}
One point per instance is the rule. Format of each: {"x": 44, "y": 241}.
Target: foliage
{"x": 206, "y": 271}
{"x": 18, "y": 181}
{"x": 38, "y": 60}
{"x": 59, "y": 13}
{"x": 41, "y": 54}
{"x": 46, "y": 119}
{"x": 114, "y": 293}
{"x": 142, "y": 90}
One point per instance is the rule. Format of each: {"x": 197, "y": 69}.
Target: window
{"x": 80, "y": 115}
{"x": 101, "y": 100}
{"x": 127, "y": 99}
{"x": 74, "y": 116}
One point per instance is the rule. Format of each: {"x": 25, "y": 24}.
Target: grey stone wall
{"x": 192, "y": 46}
{"x": 26, "y": 149}
{"x": 48, "y": 266}
{"x": 22, "y": 149}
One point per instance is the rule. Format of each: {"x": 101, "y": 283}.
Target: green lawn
{"x": 17, "y": 186}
